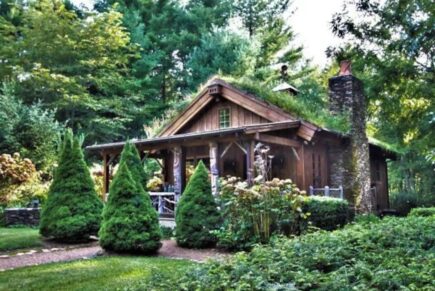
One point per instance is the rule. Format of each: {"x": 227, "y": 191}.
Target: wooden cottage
{"x": 222, "y": 126}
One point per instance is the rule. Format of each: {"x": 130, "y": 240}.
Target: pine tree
{"x": 130, "y": 223}
{"x": 197, "y": 214}
{"x": 73, "y": 210}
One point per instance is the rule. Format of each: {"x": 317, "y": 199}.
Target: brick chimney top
{"x": 345, "y": 68}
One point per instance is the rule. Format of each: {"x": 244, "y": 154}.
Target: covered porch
{"x": 228, "y": 151}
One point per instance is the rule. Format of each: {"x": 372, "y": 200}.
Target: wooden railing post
{"x": 341, "y": 192}
{"x": 327, "y": 191}
{"x": 311, "y": 190}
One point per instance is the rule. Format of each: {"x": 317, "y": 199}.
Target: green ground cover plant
{"x": 72, "y": 211}
{"x": 19, "y": 238}
{"x": 197, "y": 215}
{"x": 104, "y": 273}
{"x": 130, "y": 222}
{"x": 389, "y": 254}
{"x": 429, "y": 211}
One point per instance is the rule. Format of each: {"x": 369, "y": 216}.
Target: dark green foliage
{"x": 403, "y": 202}
{"x": 167, "y": 232}
{"x": 130, "y": 156}
{"x": 72, "y": 211}
{"x": 257, "y": 14}
{"x": 130, "y": 223}
{"x": 197, "y": 214}
{"x": 30, "y": 130}
{"x": 326, "y": 213}
{"x": 398, "y": 75}
{"x": 223, "y": 51}
{"x": 390, "y": 254}
{"x": 86, "y": 82}
{"x": 429, "y": 211}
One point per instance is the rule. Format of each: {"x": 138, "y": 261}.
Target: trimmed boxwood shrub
{"x": 196, "y": 214}
{"x": 130, "y": 222}
{"x": 326, "y": 213}
{"x": 429, "y": 211}
{"x": 72, "y": 211}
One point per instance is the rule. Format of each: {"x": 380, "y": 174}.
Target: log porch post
{"x": 250, "y": 145}
{"x": 214, "y": 168}
{"x": 179, "y": 171}
{"x": 106, "y": 174}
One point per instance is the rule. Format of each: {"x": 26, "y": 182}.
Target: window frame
{"x": 221, "y": 117}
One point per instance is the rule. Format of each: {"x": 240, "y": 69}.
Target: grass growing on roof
{"x": 310, "y": 110}
{"x": 304, "y": 109}
{"x": 385, "y": 145}
{"x": 19, "y": 238}
{"x": 104, "y": 273}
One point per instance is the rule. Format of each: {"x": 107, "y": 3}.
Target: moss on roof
{"x": 304, "y": 109}
{"x": 317, "y": 114}
{"x": 307, "y": 110}
{"x": 386, "y": 146}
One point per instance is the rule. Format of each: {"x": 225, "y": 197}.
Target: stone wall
{"x": 22, "y": 216}
{"x": 351, "y": 166}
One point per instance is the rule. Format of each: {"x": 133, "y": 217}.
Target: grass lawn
{"x": 19, "y": 238}
{"x": 103, "y": 273}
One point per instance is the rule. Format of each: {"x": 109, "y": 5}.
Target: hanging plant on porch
{"x": 197, "y": 215}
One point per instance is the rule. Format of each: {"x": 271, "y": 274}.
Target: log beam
{"x": 267, "y": 138}
{"x": 106, "y": 174}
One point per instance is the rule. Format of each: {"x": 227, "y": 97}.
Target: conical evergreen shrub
{"x": 131, "y": 157}
{"x": 72, "y": 211}
{"x": 196, "y": 213}
{"x": 130, "y": 223}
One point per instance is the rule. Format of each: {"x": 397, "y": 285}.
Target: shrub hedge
{"x": 325, "y": 212}
{"x": 72, "y": 211}
{"x": 197, "y": 215}
{"x": 429, "y": 211}
{"x": 390, "y": 254}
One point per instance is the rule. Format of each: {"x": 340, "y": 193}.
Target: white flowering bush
{"x": 253, "y": 213}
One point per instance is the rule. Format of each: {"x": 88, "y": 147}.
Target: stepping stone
{"x": 45, "y": 250}
{"x": 4, "y": 256}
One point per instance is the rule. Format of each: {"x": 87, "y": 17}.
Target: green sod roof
{"x": 308, "y": 110}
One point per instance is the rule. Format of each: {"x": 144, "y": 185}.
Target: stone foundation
{"x": 22, "y": 216}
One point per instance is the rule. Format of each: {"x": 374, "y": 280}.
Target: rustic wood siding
{"x": 379, "y": 179}
{"x": 208, "y": 119}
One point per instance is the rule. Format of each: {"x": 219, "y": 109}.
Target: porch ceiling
{"x": 205, "y": 136}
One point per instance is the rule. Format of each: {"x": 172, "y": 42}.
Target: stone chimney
{"x": 352, "y": 165}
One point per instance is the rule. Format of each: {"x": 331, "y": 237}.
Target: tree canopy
{"x": 392, "y": 47}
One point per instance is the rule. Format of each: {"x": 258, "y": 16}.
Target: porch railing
{"x": 163, "y": 202}
{"x": 328, "y": 192}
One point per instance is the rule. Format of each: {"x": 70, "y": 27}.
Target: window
{"x": 224, "y": 118}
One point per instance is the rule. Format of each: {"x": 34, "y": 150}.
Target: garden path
{"x": 44, "y": 256}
